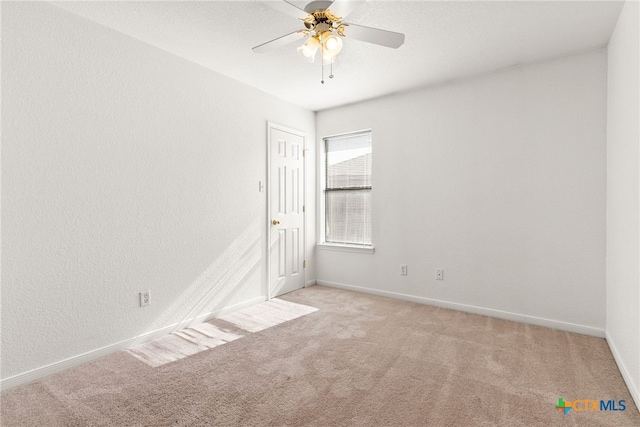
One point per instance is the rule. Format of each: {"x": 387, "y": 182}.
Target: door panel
{"x": 286, "y": 186}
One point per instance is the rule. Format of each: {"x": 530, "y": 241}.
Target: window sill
{"x": 346, "y": 248}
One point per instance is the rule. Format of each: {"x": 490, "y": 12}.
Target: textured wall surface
{"x": 124, "y": 168}
{"x": 623, "y": 197}
{"x": 500, "y": 180}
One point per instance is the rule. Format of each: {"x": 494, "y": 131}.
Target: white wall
{"x": 623, "y": 197}
{"x": 500, "y": 180}
{"x": 124, "y": 168}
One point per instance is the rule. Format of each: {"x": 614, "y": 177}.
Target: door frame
{"x": 303, "y": 135}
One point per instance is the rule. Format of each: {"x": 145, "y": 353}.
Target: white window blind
{"x": 348, "y": 189}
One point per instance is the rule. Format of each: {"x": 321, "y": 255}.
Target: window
{"x": 347, "y": 189}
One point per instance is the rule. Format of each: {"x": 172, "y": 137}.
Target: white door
{"x": 286, "y": 216}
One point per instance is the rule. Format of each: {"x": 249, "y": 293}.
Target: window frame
{"x": 322, "y": 182}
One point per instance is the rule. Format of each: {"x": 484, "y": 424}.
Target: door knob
{"x": 276, "y": 222}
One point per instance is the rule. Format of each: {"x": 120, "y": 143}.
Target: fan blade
{"x": 280, "y": 41}
{"x": 287, "y": 8}
{"x": 374, "y": 35}
{"x": 342, "y": 8}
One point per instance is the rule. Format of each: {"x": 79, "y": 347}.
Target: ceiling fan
{"x": 324, "y": 30}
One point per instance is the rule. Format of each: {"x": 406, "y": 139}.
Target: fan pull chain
{"x": 322, "y": 61}
{"x": 331, "y": 75}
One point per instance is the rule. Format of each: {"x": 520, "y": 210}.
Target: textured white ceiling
{"x": 444, "y": 41}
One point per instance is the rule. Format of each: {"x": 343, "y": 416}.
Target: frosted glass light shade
{"x": 331, "y": 45}
{"x": 309, "y": 48}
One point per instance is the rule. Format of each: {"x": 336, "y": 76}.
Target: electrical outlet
{"x": 403, "y": 269}
{"x": 439, "y": 274}
{"x": 145, "y": 298}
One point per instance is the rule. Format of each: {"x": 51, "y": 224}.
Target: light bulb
{"x": 332, "y": 44}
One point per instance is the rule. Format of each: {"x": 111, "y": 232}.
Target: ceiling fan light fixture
{"x": 309, "y": 48}
{"x": 325, "y": 30}
{"x": 331, "y": 44}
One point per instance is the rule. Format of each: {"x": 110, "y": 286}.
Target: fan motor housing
{"x": 322, "y": 27}
{"x": 321, "y": 19}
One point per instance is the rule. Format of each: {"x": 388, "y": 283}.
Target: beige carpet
{"x": 204, "y": 336}
{"x": 357, "y": 360}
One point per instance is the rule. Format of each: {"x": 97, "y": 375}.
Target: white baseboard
{"x": 80, "y": 359}
{"x": 506, "y": 315}
{"x": 310, "y": 283}
{"x": 622, "y": 367}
